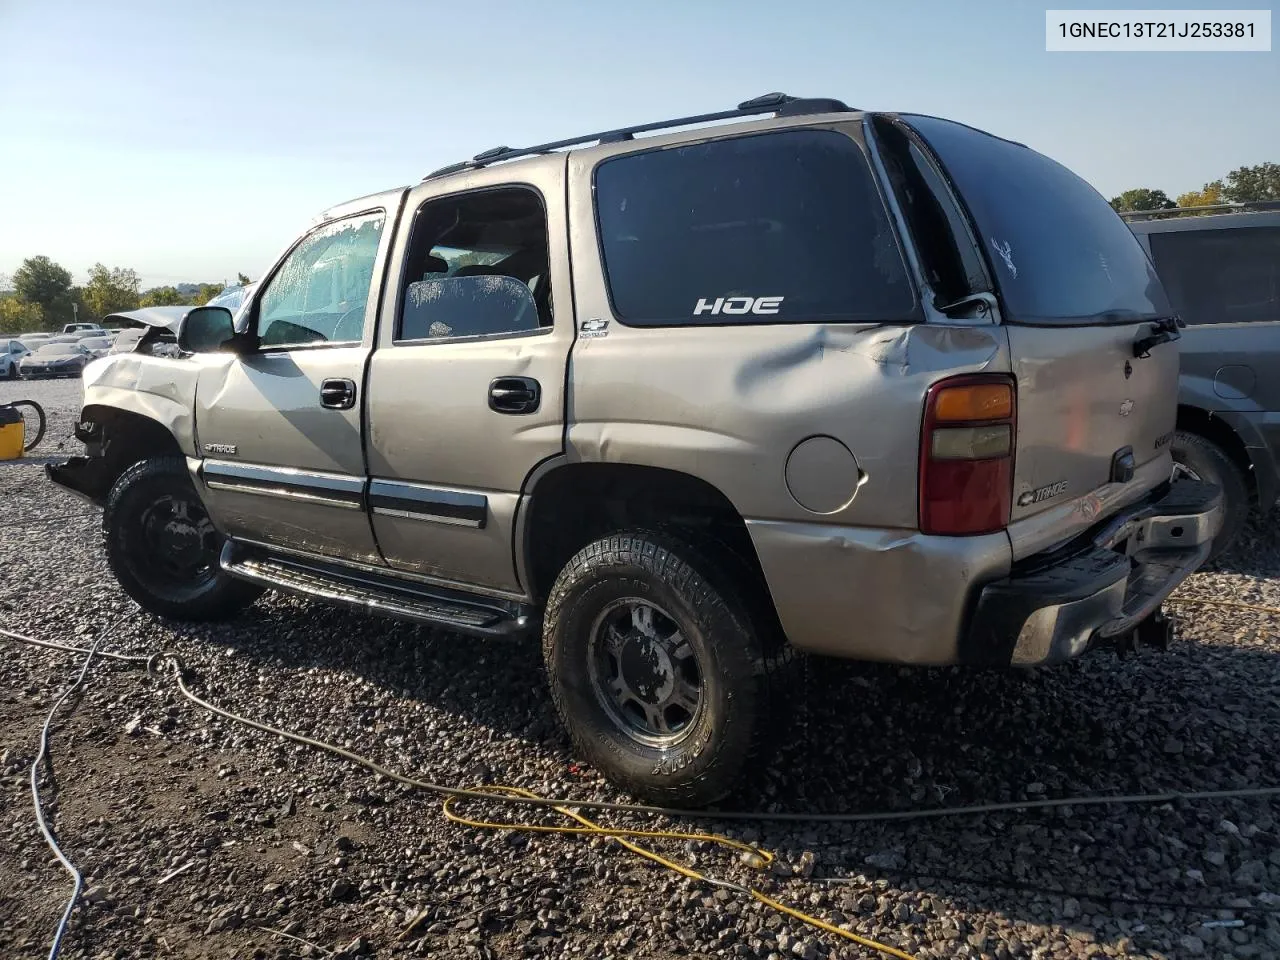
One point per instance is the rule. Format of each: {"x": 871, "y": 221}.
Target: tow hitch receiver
{"x": 1155, "y": 631}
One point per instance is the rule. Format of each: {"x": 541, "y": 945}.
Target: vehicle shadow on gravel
{"x": 1256, "y": 552}
{"x": 495, "y": 683}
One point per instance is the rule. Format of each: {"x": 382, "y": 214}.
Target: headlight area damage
{"x": 137, "y": 405}
{"x": 114, "y": 440}
{"x": 88, "y": 477}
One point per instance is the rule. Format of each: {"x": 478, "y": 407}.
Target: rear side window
{"x": 1058, "y": 251}
{"x": 773, "y": 228}
{"x": 1221, "y": 276}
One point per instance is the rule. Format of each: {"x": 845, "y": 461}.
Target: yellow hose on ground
{"x": 758, "y": 858}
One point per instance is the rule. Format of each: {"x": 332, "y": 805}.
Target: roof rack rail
{"x": 779, "y": 104}
{"x": 1248, "y": 206}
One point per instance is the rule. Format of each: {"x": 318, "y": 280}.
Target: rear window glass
{"x": 1221, "y": 276}
{"x": 1059, "y": 253}
{"x": 777, "y": 227}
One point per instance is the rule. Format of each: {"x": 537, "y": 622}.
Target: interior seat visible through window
{"x": 494, "y": 233}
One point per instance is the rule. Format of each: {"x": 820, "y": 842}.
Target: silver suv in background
{"x": 1222, "y": 274}
{"x": 871, "y": 385}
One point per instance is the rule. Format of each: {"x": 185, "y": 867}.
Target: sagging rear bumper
{"x": 904, "y": 597}
{"x": 1054, "y": 606}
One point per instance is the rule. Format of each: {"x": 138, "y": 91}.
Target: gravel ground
{"x": 200, "y": 838}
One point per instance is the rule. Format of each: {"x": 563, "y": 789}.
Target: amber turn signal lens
{"x": 982, "y": 401}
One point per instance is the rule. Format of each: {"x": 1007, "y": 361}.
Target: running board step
{"x": 377, "y": 593}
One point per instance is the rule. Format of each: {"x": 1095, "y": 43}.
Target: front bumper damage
{"x": 88, "y": 477}
{"x": 1098, "y": 588}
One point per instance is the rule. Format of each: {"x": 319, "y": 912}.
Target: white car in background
{"x": 89, "y": 329}
{"x": 14, "y": 351}
{"x": 98, "y": 346}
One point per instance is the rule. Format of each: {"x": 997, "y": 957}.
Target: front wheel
{"x": 657, "y": 672}
{"x": 163, "y": 549}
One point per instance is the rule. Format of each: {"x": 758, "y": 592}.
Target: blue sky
{"x": 194, "y": 140}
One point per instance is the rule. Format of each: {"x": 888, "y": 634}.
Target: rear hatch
{"x": 1091, "y": 338}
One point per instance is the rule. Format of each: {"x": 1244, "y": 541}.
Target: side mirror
{"x": 205, "y": 329}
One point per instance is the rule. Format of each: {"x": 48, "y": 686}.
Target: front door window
{"x": 320, "y": 292}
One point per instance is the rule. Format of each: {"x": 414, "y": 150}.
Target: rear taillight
{"x": 966, "y": 455}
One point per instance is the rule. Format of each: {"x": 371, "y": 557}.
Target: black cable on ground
{"x": 1008, "y": 883}
{"x": 76, "y": 877}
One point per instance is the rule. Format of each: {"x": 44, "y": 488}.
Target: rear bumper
{"x": 1055, "y": 606}
{"x": 905, "y": 597}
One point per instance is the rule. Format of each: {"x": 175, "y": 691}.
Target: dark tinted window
{"x": 1059, "y": 253}
{"x": 776, "y": 227}
{"x": 1221, "y": 276}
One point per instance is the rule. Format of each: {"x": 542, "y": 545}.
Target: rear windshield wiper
{"x": 1163, "y": 330}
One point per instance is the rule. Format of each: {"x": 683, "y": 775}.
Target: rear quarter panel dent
{"x": 728, "y": 405}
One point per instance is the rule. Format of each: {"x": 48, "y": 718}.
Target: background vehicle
{"x": 14, "y": 351}
{"x": 33, "y": 340}
{"x": 55, "y": 360}
{"x": 92, "y": 328}
{"x": 97, "y": 346}
{"x": 126, "y": 340}
{"x": 1222, "y": 272}
{"x": 233, "y": 298}
{"x": 790, "y": 390}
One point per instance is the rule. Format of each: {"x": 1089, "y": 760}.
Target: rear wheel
{"x": 657, "y": 672}
{"x": 163, "y": 548}
{"x": 1201, "y": 459}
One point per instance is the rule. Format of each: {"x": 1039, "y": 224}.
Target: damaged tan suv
{"x": 792, "y": 376}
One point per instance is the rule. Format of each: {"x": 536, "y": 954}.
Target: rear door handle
{"x": 515, "y": 395}
{"x": 338, "y": 394}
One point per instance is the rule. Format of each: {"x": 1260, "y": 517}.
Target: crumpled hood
{"x": 168, "y": 317}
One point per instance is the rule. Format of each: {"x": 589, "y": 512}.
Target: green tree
{"x": 42, "y": 282}
{"x": 1250, "y": 184}
{"x": 243, "y": 280}
{"x": 1142, "y": 198}
{"x": 162, "y": 297}
{"x": 1207, "y": 195}
{"x": 19, "y": 316}
{"x": 111, "y": 290}
{"x": 207, "y": 292}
